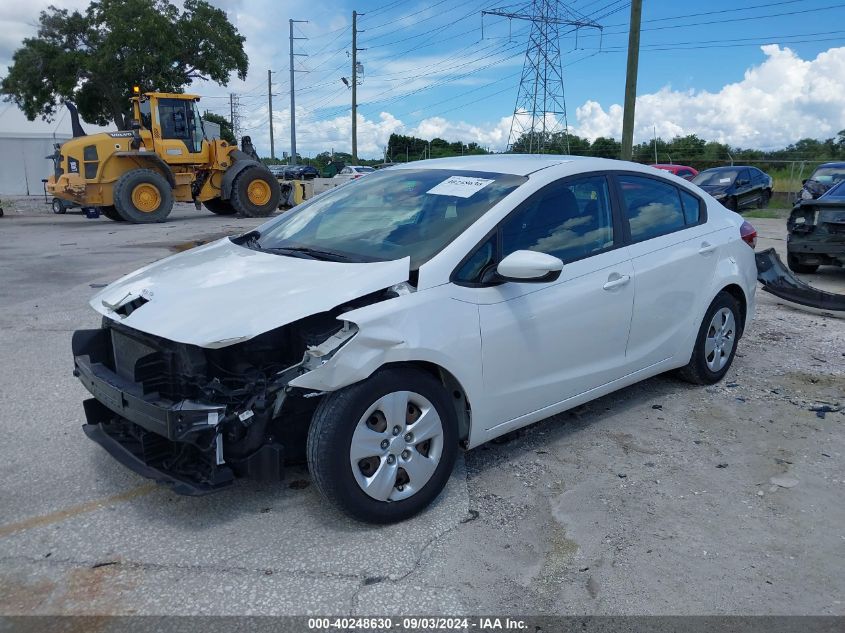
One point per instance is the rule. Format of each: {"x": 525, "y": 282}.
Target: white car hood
{"x": 222, "y": 293}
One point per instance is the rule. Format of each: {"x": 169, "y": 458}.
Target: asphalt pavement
{"x": 663, "y": 498}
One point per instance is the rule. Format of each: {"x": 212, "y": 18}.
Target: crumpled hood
{"x": 715, "y": 189}
{"x": 222, "y": 293}
{"x": 815, "y": 188}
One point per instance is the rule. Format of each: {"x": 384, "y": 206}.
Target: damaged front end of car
{"x": 196, "y": 417}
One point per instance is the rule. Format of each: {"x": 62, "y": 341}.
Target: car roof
{"x": 516, "y": 164}
{"x": 833, "y": 164}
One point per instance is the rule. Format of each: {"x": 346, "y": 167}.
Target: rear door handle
{"x": 706, "y": 248}
{"x": 615, "y": 280}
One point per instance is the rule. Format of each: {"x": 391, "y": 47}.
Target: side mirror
{"x": 529, "y": 267}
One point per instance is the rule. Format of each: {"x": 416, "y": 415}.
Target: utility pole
{"x": 270, "y": 107}
{"x": 631, "y": 80}
{"x": 355, "y": 87}
{"x": 292, "y": 98}
{"x": 235, "y": 115}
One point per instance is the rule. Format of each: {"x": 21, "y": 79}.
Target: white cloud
{"x": 778, "y": 102}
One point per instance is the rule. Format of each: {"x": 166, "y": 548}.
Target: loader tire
{"x": 142, "y": 196}
{"x": 111, "y": 213}
{"x": 219, "y": 206}
{"x": 255, "y": 192}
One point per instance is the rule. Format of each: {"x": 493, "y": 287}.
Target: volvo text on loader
{"x": 135, "y": 175}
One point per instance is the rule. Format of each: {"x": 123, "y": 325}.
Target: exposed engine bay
{"x": 197, "y": 417}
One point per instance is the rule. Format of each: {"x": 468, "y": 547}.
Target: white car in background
{"x": 381, "y": 328}
{"x": 351, "y": 172}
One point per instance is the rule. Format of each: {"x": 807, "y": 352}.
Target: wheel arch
{"x": 140, "y": 160}
{"x": 736, "y": 291}
{"x": 454, "y": 388}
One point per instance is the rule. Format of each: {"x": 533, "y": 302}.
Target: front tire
{"x": 732, "y": 204}
{"x": 143, "y": 196}
{"x": 795, "y": 265}
{"x": 382, "y": 449}
{"x": 255, "y": 192}
{"x": 715, "y": 345}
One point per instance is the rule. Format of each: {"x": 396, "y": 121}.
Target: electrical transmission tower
{"x": 235, "y": 115}
{"x": 540, "y": 110}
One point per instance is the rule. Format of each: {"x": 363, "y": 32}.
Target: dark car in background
{"x": 823, "y": 178}
{"x": 816, "y": 231}
{"x": 294, "y": 172}
{"x": 736, "y": 187}
{"x": 682, "y": 171}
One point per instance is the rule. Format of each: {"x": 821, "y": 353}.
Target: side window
{"x": 146, "y": 115}
{"x": 472, "y": 269}
{"x": 745, "y": 175}
{"x": 684, "y": 173}
{"x": 653, "y": 208}
{"x": 692, "y": 208}
{"x": 570, "y": 221}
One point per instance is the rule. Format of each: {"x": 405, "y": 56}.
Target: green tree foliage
{"x": 400, "y": 148}
{"x": 94, "y": 58}
{"x": 225, "y": 126}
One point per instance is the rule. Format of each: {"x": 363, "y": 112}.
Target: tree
{"x": 94, "y": 58}
{"x": 225, "y": 127}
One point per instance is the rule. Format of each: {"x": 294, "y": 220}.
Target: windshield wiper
{"x": 313, "y": 253}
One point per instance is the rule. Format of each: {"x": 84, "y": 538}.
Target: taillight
{"x": 748, "y": 234}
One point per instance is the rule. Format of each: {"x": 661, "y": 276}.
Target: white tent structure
{"x": 22, "y": 161}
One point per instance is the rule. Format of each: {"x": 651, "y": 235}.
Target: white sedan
{"x": 351, "y": 172}
{"x": 377, "y": 330}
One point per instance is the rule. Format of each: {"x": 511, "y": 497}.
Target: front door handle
{"x": 706, "y": 248}
{"x": 615, "y": 280}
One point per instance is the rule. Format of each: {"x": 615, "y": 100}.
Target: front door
{"x": 543, "y": 343}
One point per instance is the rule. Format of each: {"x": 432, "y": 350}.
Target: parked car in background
{"x": 300, "y": 172}
{"x": 816, "y": 231}
{"x": 823, "y": 178}
{"x": 277, "y": 170}
{"x": 351, "y": 172}
{"x": 687, "y": 173}
{"x": 736, "y": 187}
{"x": 429, "y": 308}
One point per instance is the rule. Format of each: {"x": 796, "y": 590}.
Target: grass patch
{"x": 767, "y": 213}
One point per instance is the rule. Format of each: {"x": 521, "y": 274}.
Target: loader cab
{"x": 175, "y": 125}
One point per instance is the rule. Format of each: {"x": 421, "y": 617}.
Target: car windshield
{"x": 716, "y": 177}
{"x": 389, "y": 215}
{"x": 837, "y": 191}
{"x": 364, "y": 170}
{"x": 828, "y": 175}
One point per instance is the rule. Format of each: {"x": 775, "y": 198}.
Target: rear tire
{"x": 219, "y": 206}
{"x": 255, "y": 192}
{"x": 111, "y": 213}
{"x": 715, "y": 345}
{"x": 58, "y": 207}
{"x": 764, "y": 199}
{"x": 368, "y": 469}
{"x": 795, "y": 265}
{"x": 143, "y": 196}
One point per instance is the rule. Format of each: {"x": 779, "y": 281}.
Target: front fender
{"x": 424, "y": 326}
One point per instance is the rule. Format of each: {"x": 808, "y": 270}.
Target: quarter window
{"x": 570, "y": 221}
{"x": 653, "y": 208}
{"x": 692, "y": 208}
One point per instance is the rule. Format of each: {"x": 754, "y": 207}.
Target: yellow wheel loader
{"x": 136, "y": 175}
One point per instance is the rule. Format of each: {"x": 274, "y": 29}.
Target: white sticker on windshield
{"x": 722, "y": 181}
{"x": 460, "y": 186}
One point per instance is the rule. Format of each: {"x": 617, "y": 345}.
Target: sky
{"x": 753, "y": 74}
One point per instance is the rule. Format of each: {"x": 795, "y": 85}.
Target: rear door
{"x": 673, "y": 254}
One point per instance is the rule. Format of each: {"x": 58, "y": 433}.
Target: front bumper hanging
{"x": 777, "y": 280}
